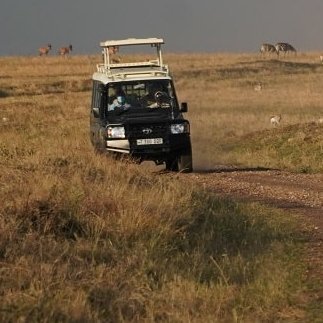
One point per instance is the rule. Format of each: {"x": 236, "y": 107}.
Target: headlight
{"x": 116, "y": 132}
{"x": 180, "y": 128}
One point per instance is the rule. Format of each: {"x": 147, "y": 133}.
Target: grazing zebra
{"x": 268, "y": 48}
{"x": 43, "y": 51}
{"x": 275, "y": 120}
{"x": 63, "y": 51}
{"x": 285, "y": 48}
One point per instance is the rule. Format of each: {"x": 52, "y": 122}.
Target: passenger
{"x": 119, "y": 101}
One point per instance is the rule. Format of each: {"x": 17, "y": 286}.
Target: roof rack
{"x": 151, "y": 66}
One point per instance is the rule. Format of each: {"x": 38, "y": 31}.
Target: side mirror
{"x": 96, "y": 112}
{"x": 184, "y": 107}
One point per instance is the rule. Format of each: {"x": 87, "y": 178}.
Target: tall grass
{"x": 86, "y": 238}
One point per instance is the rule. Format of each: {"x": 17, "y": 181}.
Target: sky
{"x": 186, "y": 25}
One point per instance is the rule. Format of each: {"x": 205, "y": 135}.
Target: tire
{"x": 182, "y": 163}
{"x": 172, "y": 164}
{"x": 185, "y": 162}
{"x": 99, "y": 143}
{"x": 100, "y": 147}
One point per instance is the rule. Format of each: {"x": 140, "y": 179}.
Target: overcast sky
{"x": 185, "y": 25}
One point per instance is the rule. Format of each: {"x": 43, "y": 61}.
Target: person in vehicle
{"x": 119, "y": 101}
{"x": 149, "y": 99}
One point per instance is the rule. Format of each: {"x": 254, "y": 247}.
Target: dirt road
{"x": 297, "y": 193}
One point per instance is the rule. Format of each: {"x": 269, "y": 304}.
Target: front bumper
{"x": 150, "y": 141}
{"x": 172, "y": 145}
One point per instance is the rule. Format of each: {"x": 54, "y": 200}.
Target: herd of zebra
{"x": 265, "y": 48}
{"x": 63, "y": 51}
{"x": 277, "y": 49}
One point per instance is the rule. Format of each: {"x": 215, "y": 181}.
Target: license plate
{"x": 150, "y": 141}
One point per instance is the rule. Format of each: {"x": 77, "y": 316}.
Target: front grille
{"x": 147, "y": 131}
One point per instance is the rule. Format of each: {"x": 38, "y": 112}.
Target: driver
{"x": 150, "y": 99}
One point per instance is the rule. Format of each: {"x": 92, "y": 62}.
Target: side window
{"x": 172, "y": 93}
{"x": 95, "y": 95}
{"x": 98, "y": 99}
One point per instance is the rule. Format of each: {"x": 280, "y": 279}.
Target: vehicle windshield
{"x": 141, "y": 94}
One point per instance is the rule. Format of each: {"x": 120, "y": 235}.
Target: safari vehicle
{"x": 140, "y": 123}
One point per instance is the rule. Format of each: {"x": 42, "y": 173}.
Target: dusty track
{"x": 300, "y": 194}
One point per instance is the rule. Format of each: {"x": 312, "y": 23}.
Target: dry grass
{"x": 224, "y": 104}
{"x": 86, "y": 238}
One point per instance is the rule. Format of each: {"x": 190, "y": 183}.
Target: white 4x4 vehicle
{"x": 135, "y": 110}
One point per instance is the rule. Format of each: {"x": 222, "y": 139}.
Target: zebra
{"x": 43, "y": 51}
{"x": 63, "y": 51}
{"x": 268, "y": 48}
{"x": 285, "y": 48}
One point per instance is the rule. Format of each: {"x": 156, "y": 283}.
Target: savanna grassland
{"x": 86, "y": 238}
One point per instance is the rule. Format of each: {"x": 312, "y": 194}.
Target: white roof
{"x": 105, "y": 79}
{"x": 132, "y": 70}
{"x": 131, "y": 41}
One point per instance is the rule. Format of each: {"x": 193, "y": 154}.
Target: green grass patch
{"x": 296, "y": 147}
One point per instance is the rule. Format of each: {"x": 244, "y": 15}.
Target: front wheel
{"x": 182, "y": 163}
{"x": 172, "y": 164}
{"x": 185, "y": 162}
